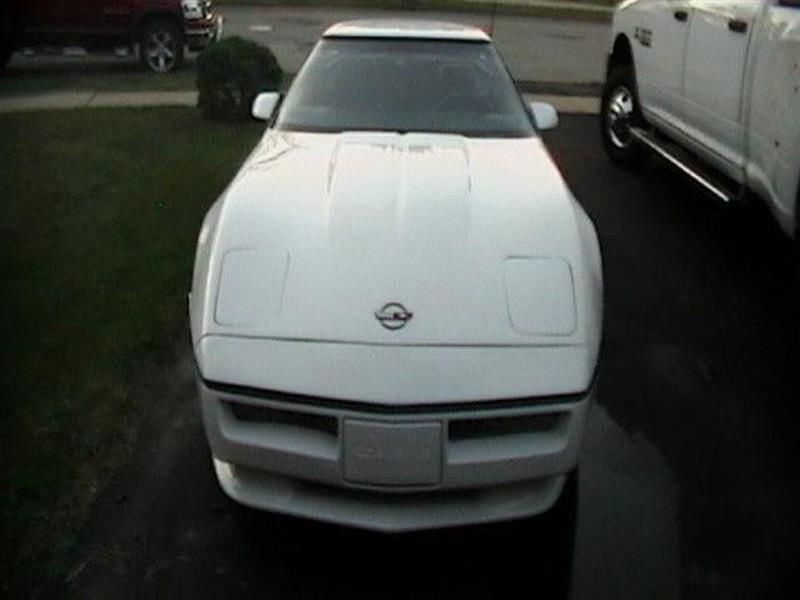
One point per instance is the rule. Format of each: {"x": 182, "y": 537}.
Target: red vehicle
{"x": 159, "y": 30}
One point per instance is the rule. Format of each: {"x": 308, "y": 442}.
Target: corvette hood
{"x": 476, "y": 239}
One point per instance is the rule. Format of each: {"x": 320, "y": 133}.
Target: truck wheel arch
{"x": 148, "y": 18}
{"x": 151, "y": 17}
{"x": 621, "y": 55}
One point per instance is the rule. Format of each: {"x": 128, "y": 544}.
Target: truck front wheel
{"x": 618, "y": 113}
{"x": 161, "y": 46}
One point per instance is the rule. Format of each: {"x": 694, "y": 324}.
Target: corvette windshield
{"x": 405, "y": 85}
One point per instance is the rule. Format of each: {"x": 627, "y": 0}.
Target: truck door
{"x": 716, "y": 57}
{"x": 60, "y": 20}
{"x": 659, "y": 50}
{"x": 39, "y": 16}
{"x": 99, "y": 17}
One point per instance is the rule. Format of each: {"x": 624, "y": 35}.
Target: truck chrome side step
{"x": 682, "y": 164}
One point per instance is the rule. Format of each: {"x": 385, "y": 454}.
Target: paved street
{"x": 560, "y": 56}
{"x": 688, "y": 484}
{"x": 535, "y": 49}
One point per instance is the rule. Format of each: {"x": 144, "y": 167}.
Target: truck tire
{"x": 161, "y": 46}
{"x": 619, "y": 111}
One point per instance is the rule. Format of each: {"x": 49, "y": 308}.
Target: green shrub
{"x": 230, "y": 74}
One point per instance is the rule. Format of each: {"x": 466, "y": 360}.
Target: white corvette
{"x": 397, "y": 303}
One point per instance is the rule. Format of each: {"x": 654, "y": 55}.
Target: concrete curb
{"x": 584, "y": 105}
{"x": 143, "y": 99}
{"x": 57, "y": 101}
{"x": 73, "y": 100}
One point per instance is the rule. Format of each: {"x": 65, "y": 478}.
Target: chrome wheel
{"x": 161, "y": 50}
{"x": 618, "y": 120}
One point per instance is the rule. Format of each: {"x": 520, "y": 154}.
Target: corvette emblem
{"x": 393, "y": 316}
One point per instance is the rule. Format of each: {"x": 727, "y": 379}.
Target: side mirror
{"x": 545, "y": 115}
{"x": 264, "y": 105}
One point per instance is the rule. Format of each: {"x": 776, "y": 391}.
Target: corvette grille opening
{"x": 248, "y": 413}
{"x": 472, "y": 429}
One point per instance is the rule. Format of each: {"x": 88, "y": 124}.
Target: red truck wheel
{"x": 161, "y": 46}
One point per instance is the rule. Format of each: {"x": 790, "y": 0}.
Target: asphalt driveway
{"x": 688, "y": 485}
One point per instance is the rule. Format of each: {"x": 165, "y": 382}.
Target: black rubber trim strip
{"x": 403, "y": 38}
{"x": 359, "y": 406}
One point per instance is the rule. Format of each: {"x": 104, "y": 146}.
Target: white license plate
{"x": 404, "y": 454}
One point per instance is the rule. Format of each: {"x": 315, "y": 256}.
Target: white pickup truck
{"x": 712, "y": 86}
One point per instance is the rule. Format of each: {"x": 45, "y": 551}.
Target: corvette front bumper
{"x": 392, "y": 469}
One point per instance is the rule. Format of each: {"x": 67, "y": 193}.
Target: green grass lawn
{"x": 100, "y": 212}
